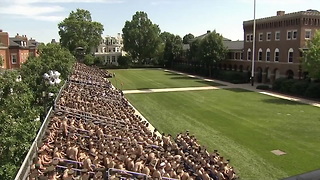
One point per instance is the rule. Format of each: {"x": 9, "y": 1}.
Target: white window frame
{"x": 289, "y": 31}
{"x": 268, "y": 33}
{"x": 260, "y": 57}
{"x": 249, "y": 51}
{"x": 290, "y": 51}
{"x": 14, "y": 54}
{"x": 307, "y": 30}
{"x": 260, "y": 37}
{"x": 268, "y": 51}
{"x": 294, "y": 31}
{"x": 113, "y": 59}
{"x": 275, "y": 36}
{"x": 275, "y": 51}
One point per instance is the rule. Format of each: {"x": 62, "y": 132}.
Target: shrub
{"x": 286, "y": 85}
{"x": 313, "y": 90}
{"x": 299, "y": 87}
{"x": 233, "y": 76}
{"x": 263, "y": 87}
{"x": 277, "y": 83}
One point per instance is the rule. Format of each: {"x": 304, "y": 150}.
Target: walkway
{"x": 227, "y": 85}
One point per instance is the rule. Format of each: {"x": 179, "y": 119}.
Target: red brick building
{"x": 280, "y": 41}
{"x": 14, "y": 51}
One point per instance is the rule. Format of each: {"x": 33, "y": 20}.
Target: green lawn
{"x": 154, "y": 79}
{"x": 244, "y": 126}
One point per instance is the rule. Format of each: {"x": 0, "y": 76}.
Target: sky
{"x": 38, "y": 19}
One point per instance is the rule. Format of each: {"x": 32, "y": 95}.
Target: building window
{"x": 251, "y": 37}
{"x": 290, "y": 55}
{"x": 268, "y": 36}
{"x": 308, "y": 34}
{"x": 14, "y": 58}
{"x": 113, "y": 59}
{"x": 249, "y": 54}
{"x": 248, "y": 38}
{"x": 260, "y": 36}
{"x": 294, "y": 34}
{"x": 268, "y": 54}
{"x": 289, "y": 35}
{"x": 114, "y": 49}
{"x": 276, "y": 55}
{"x": 260, "y": 55}
{"x": 277, "y": 36}
{"x": 241, "y": 56}
{"x": 108, "y": 59}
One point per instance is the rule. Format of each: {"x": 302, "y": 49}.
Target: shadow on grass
{"x": 181, "y": 77}
{"x": 282, "y": 102}
{"x": 210, "y": 83}
{"x": 237, "y": 90}
{"x": 172, "y": 74}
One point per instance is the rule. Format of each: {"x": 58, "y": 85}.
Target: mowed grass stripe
{"x": 244, "y": 126}
{"x": 154, "y": 79}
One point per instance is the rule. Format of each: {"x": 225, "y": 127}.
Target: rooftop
{"x": 282, "y": 15}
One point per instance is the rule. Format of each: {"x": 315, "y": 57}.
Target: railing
{"x": 25, "y": 167}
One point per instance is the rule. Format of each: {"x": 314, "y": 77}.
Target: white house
{"x": 110, "y": 49}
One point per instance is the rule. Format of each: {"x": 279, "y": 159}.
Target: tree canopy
{"x": 141, "y": 37}
{"x": 78, "y": 30}
{"x": 311, "y": 61}
{"x": 211, "y": 50}
{"x": 172, "y": 47}
{"x": 187, "y": 38}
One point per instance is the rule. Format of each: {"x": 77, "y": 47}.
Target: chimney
{"x": 208, "y": 31}
{"x": 280, "y": 13}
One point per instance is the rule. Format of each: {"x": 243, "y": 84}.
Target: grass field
{"x": 244, "y": 126}
{"x": 154, "y": 79}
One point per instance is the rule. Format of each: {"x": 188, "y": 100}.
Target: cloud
{"x": 277, "y": 2}
{"x": 40, "y": 9}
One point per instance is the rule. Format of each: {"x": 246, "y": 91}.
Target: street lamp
{"x": 52, "y": 78}
{"x": 254, "y": 42}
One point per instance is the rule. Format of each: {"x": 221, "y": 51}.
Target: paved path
{"x": 227, "y": 85}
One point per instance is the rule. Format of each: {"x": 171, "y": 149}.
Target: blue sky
{"x": 39, "y": 18}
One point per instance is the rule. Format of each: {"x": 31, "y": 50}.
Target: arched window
{"x": 290, "y": 55}
{"x": 276, "y": 55}
{"x": 260, "y": 55}
{"x": 268, "y": 54}
{"x": 249, "y": 54}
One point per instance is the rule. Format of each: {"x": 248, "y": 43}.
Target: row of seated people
{"x": 112, "y": 142}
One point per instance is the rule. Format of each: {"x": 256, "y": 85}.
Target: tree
{"x": 172, "y": 47}
{"x": 18, "y": 128}
{"x": 187, "y": 38}
{"x": 78, "y": 30}
{"x": 124, "y": 61}
{"x": 312, "y": 57}
{"x": 141, "y": 37}
{"x": 89, "y": 59}
{"x": 211, "y": 50}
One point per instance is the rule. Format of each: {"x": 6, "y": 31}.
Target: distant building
{"x": 14, "y": 51}
{"x": 110, "y": 49}
{"x": 280, "y": 42}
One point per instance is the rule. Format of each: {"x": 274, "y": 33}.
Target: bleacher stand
{"x": 95, "y": 134}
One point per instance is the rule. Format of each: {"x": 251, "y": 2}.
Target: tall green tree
{"x": 78, "y": 30}
{"x": 18, "y": 128}
{"x": 141, "y": 37}
{"x": 172, "y": 47}
{"x": 311, "y": 61}
{"x": 187, "y": 38}
{"x": 211, "y": 50}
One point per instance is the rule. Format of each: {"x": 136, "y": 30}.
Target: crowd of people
{"x": 94, "y": 133}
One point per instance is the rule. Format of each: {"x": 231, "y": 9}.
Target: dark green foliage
{"x": 124, "y": 61}
{"x": 277, "y": 84}
{"x": 299, "y": 87}
{"x": 141, "y": 38}
{"x": 311, "y": 58}
{"x": 263, "y": 87}
{"x": 313, "y": 90}
{"x": 287, "y": 85}
{"x": 187, "y": 38}
{"x": 89, "y": 60}
{"x": 78, "y": 30}
{"x": 232, "y": 76}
